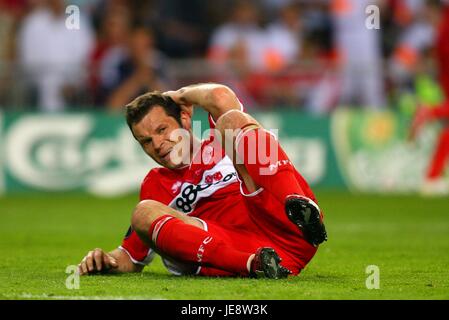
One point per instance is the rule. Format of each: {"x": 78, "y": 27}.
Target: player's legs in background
{"x": 425, "y": 114}
{"x": 182, "y": 238}
{"x": 261, "y": 162}
{"x": 435, "y": 184}
{"x": 440, "y": 112}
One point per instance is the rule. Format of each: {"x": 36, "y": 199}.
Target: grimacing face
{"x": 153, "y": 133}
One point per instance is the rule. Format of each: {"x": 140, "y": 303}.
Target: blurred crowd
{"x": 303, "y": 54}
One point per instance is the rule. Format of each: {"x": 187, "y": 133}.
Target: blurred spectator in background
{"x": 52, "y": 56}
{"x": 6, "y": 32}
{"x": 181, "y": 26}
{"x": 87, "y": 7}
{"x": 271, "y": 8}
{"x": 285, "y": 38}
{"x": 236, "y": 50}
{"x": 142, "y": 70}
{"x": 256, "y": 54}
{"x": 241, "y": 41}
{"x": 109, "y": 52}
{"x": 416, "y": 24}
{"x": 434, "y": 182}
{"x": 311, "y": 54}
{"x": 442, "y": 49}
{"x": 11, "y": 12}
{"x": 6, "y": 46}
{"x": 359, "y": 52}
{"x": 320, "y": 55}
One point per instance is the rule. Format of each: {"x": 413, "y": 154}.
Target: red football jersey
{"x": 209, "y": 189}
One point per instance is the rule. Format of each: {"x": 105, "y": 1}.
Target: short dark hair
{"x": 137, "y": 109}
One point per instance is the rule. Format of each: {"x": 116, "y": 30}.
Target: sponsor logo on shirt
{"x": 191, "y": 194}
{"x": 220, "y": 176}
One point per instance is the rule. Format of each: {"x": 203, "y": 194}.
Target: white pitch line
{"x": 2, "y": 158}
{"x": 54, "y": 297}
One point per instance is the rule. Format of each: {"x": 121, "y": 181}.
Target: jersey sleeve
{"x": 139, "y": 252}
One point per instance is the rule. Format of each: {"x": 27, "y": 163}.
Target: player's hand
{"x": 179, "y": 98}
{"x": 97, "y": 261}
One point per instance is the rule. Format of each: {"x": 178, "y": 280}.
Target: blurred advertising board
{"x": 374, "y": 154}
{"x": 96, "y": 153}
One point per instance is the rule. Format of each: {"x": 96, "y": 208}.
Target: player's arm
{"x": 215, "y": 98}
{"x": 116, "y": 261}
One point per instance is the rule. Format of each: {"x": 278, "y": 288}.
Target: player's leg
{"x": 425, "y": 114}
{"x": 440, "y": 156}
{"x": 247, "y": 239}
{"x": 441, "y": 111}
{"x": 261, "y": 162}
{"x": 183, "y": 238}
{"x": 239, "y": 129}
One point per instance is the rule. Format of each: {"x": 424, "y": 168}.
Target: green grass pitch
{"x": 407, "y": 237}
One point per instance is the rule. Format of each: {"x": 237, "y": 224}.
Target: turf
{"x": 407, "y": 237}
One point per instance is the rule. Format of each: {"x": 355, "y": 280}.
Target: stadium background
{"x": 342, "y": 96}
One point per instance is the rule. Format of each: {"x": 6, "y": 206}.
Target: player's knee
{"x": 144, "y": 214}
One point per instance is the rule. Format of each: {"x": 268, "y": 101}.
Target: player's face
{"x": 154, "y": 133}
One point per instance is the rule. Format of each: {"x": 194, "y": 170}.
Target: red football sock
{"x": 191, "y": 244}
{"x": 440, "y": 156}
{"x": 267, "y": 164}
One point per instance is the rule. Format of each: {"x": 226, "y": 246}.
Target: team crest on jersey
{"x": 207, "y": 154}
{"x": 175, "y": 187}
{"x": 222, "y": 175}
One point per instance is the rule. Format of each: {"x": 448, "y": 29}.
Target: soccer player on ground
{"x": 220, "y": 210}
{"x": 434, "y": 182}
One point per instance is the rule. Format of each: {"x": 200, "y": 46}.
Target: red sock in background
{"x": 268, "y": 165}
{"x": 191, "y": 244}
{"x": 440, "y": 156}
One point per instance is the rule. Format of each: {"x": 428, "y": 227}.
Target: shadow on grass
{"x": 324, "y": 278}
{"x": 306, "y": 278}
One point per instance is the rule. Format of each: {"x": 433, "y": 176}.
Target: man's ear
{"x": 186, "y": 120}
